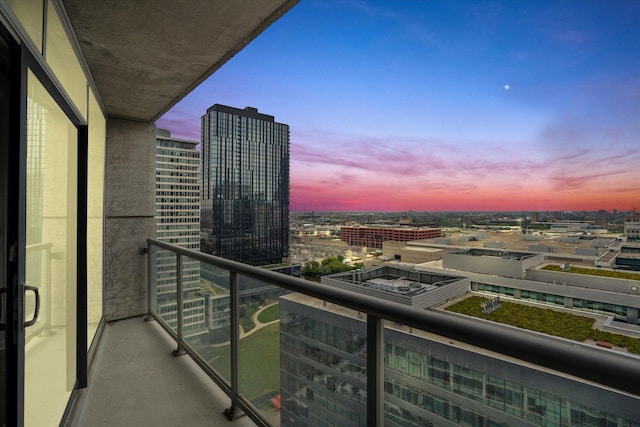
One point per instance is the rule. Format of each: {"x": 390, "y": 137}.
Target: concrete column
{"x": 568, "y": 302}
{"x": 129, "y": 215}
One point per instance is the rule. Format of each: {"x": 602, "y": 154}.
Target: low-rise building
{"x": 428, "y": 379}
{"x": 632, "y": 227}
{"x": 373, "y": 237}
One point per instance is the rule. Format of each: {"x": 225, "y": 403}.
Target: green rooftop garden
{"x": 594, "y": 272}
{"x": 552, "y": 322}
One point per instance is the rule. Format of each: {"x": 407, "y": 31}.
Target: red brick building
{"x": 372, "y": 237}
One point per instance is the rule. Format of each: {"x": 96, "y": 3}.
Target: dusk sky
{"x": 445, "y": 105}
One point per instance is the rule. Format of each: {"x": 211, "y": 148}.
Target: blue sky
{"x": 445, "y": 105}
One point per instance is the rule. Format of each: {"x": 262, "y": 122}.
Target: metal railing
{"x": 606, "y": 368}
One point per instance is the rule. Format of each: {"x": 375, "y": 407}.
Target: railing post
{"x": 234, "y": 301}
{"x": 179, "y": 305}
{"x": 375, "y": 371}
{"x": 151, "y": 280}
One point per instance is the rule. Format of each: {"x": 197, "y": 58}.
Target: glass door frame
{"x": 22, "y": 60}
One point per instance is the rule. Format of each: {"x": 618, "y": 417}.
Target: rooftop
{"x": 516, "y": 241}
{"x": 510, "y": 255}
{"x": 396, "y": 281}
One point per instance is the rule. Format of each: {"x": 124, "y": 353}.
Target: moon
{"x": 507, "y": 87}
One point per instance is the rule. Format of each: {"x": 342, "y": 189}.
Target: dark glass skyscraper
{"x": 245, "y": 186}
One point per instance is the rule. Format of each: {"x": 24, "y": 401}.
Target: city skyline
{"x": 445, "y": 106}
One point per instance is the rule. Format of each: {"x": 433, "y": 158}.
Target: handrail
{"x": 605, "y": 367}
{"x": 37, "y": 246}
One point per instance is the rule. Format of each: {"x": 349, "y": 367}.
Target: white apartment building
{"x": 178, "y": 223}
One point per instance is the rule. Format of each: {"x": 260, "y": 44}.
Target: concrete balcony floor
{"x": 136, "y": 381}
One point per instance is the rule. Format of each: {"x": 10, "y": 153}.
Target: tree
{"x": 328, "y": 265}
{"x": 311, "y": 268}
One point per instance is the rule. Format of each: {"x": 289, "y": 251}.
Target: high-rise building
{"x": 535, "y": 217}
{"x": 245, "y": 186}
{"x": 178, "y": 222}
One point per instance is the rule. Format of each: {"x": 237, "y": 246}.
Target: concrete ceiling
{"x": 146, "y": 55}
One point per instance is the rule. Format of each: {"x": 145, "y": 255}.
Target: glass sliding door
{"x": 50, "y": 257}
{"x": 44, "y": 115}
{"x": 4, "y": 239}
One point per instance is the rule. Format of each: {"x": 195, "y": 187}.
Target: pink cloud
{"x": 398, "y": 174}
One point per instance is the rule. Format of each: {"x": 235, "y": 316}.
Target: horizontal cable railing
{"x": 606, "y": 368}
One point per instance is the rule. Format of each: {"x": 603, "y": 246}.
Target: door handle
{"x": 37, "y": 311}
{"x": 3, "y": 309}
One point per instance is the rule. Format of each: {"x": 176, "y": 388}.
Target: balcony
{"x": 334, "y": 356}
{"x": 135, "y": 380}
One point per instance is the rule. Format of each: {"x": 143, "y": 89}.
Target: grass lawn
{"x": 552, "y": 322}
{"x": 259, "y": 368}
{"x": 269, "y": 314}
{"x": 594, "y": 272}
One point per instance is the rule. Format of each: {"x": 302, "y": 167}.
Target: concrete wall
{"x": 411, "y": 254}
{"x": 540, "y": 248}
{"x": 587, "y": 251}
{"x": 490, "y": 264}
{"x": 495, "y": 245}
{"x": 129, "y": 215}
{"x": 443, "y": 293}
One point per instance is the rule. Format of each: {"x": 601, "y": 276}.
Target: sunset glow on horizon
{"x": 445, "y": 105}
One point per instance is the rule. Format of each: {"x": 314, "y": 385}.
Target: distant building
{"x": 492, "y": 261}
{"x": 245, "y": 186}
{"x": 535, "y": 216}
{"x": 178, "y": 223}
{"x": 629, "y": 257}
{"x": 401, "y": 251}
{"x": 601, "y": 221}
{"x": 373, "y": 237}
{"x": 632, "y": 227}
{"x": 572, "y": 227}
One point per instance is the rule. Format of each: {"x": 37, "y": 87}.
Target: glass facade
{"x": 427, "y": 382}
{"x": 619, "y": 312}
{"x": 95, "y": 214}
{"x": 245, "y": 186}
{"x": 62, "y": 58}
{"x": 51, "y": 217}
{"x": 322, "y": 366}
{"x": 31, "y": 15}
{"x": 61, "y": 174}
